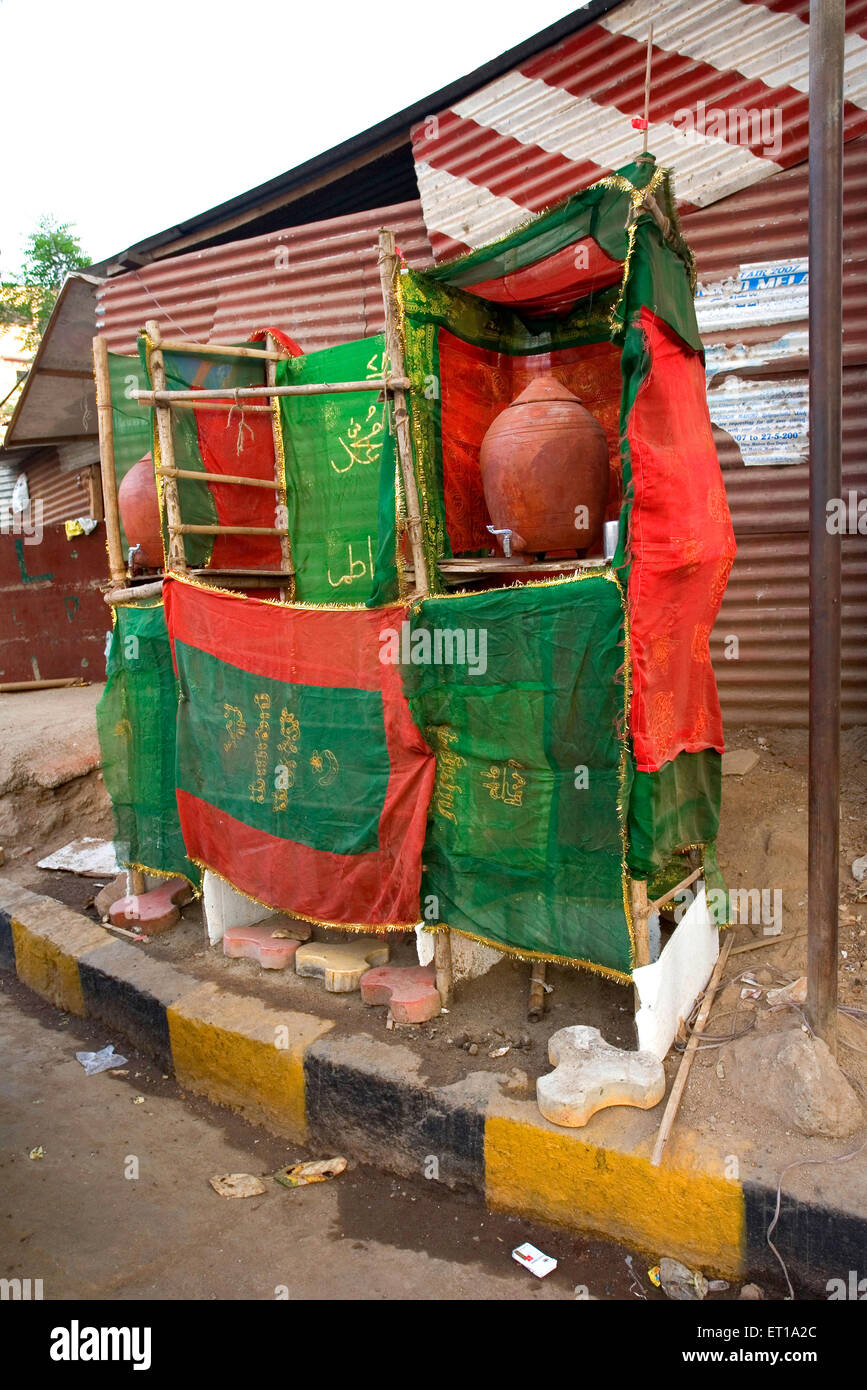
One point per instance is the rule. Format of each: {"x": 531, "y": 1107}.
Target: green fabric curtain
{"x": 340, "y": 471}
{"x": 673, "y": 809}
{"x": 135, "y": 721}
{"x": 520, "y": 692}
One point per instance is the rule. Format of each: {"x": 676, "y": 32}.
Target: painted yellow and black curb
{"x": 297, "y": 1076}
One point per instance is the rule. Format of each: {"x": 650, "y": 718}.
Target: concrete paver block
{"x": 154, "y": 911}
{"x": 410, "y": 991}
{"x": 590, "y": 1074}
{"x": 340, "y": 964}
{"x": 259, "y": 943}
{"x": 118, "y": 888}
{"x": 739, "y": 762}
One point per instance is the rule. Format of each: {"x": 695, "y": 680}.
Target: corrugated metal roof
{"x": 366, "y": 171}
{"x": 728, "y": 108}
{"x": 319, "y": 283}
{"x": 58, "y": 401}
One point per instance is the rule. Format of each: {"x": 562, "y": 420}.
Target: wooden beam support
{"x": 389, "y": 269}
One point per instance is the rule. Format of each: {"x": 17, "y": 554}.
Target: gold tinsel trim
{"x": 163, "y": 873}
{"x": 521, "y": 953}
{"x": 302, "y": 916}
{"x": 295, "y": 605}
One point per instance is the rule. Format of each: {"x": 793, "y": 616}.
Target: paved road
{"x": 75, "y": 1220}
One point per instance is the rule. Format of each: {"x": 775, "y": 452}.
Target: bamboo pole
{"x": 219, "y": 405}
{"x": 188, "y": 530}
{"x": 388, "y": 271}
{"x": 132, "y": 593}
{"x": 640, "y": 921}
{"x": 236, "y": 478}
{"x": 672, "y": 892}
{"x": 105, "y": 423}
{"x": 177, "y": 555}
{"x": 221, "y": 350}
{"x": 161, "y": 396}
{"x": 281, "y": 510}
{"x": 443, "y": 962}
{"x": 680, "y": 1080}
{"x": 18, "y": 687}
{"x": 647, "y": 88}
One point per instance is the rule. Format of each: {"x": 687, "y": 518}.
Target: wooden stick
{"x": 684, "y": 883}
{"x": 281, "y": 512}
{"x": 186, "y": 530}
{"x": 130, "y": 595}
{"x": 16, "y": 687}
{"x": 266, "y": 579}
{"x": 686, "y": 1061}
{"x": 219, "y": 405}
{"x": 536, "y": 1001}
{"x": 640, "y": 918}
{"x": 122, "y": 931}
{"x": 388, "y": 272}
{"x": 177, "y": 555}
{"x": 443, "y": 962}
{"x": 768, "y": 941}
{"x": 105, "y": 423}
{"x": 647, "y": 88}
{"x": 161, "y": 396}
{"x": 222, "y": 350}
{"x": 235, "y": 478}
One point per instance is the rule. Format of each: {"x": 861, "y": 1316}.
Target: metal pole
{"x": 826, "y": 313}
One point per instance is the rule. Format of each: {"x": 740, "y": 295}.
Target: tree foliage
{"x": 50, "y": 253}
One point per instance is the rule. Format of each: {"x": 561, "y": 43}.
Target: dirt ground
{"x": 762, "y": 843}
{"x": 75, "y": 1218}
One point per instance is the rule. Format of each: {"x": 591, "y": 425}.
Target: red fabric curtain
{"x": 682, "y": 548}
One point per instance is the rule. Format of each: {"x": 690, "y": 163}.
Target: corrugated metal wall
{"x": 319, "y": 283}
{"x": 766, "y": 604}
{"x": 64, "y": 495}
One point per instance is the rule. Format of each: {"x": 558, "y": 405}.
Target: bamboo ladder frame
{"x": 163, "y": 401}
{"x": 389, "y": 271}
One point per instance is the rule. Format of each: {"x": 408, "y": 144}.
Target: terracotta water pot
{"x": 542, "y": 459}
{"x": 140, "y": 513}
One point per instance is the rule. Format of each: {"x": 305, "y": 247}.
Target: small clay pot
{"x": 140, "y": 513}
{"x": 542, "y": 459}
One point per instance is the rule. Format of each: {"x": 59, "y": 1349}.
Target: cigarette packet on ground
{"x": 533, "y": 1259}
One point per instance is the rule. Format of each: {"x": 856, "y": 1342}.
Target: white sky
{"x": 124, "y": 118}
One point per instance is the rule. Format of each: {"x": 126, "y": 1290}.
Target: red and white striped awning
{"x": 728, "y": 107}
